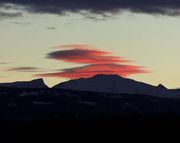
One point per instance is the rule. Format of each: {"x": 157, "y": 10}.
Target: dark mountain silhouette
{"x": 114, "y": 84}
{"x": 175, "y": 91}
{"x": 37, "y": 105}
{"x": 37, "y": 83}
{"x": 162, "y": 87}
{"x": 99, "y": 98}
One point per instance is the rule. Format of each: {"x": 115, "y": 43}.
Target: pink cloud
{"x": 84, "y": 54}
{"x": 97, "y": 62}
{"x": 91, "y": 70}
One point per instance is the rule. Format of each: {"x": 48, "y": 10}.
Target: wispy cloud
{"x": 5, "y": 15}
{"x": 102, "y": 7}
{"x": 97, "y": 62}
{"x": 3, "y": 63}
{"x": 51, "y": 27}
{"x": 24, "y": 69}
{"x": 21, "y": 23}
{"x": 8, "y": 10}
{"x": 91, "y": 70}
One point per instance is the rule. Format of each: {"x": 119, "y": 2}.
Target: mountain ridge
{"x": 100, "y": 83}
{"x": 36, "y": 83}
{"x": 113, "y": 84}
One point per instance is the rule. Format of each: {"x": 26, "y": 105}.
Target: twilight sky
{"x": 64, "y": 39}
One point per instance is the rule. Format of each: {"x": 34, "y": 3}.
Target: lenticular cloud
{"x": 84, "y": 55}
{"x": 97, "y": 62}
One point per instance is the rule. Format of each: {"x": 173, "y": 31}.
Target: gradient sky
{"x": 147, "y": 40}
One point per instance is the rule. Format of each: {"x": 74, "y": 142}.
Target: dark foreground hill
{"x": 29, "y": 105}
{"x": 66, "y": 107}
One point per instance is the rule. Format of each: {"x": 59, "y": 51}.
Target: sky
{"x": 58, "y": 40}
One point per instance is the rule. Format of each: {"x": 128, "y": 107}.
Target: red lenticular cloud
{"x": 76, "y": 46}
{"x": 91, "y": 70}
{"x": 97, "y": 62}
{"x": 84, "y": 54}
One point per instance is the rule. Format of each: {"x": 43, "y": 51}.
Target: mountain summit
{"x": 113, "y": 84}
{"x": 37, "y": 83}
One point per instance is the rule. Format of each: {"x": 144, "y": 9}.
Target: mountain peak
{"x": 36, "y": 83}
{"x": 39, "y": 80}
{"x": 161, "y": 86}
{"x": 107, "y": 76}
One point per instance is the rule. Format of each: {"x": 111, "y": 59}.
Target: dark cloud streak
{"x": 165, "y": 7}
{"x": 4, "y": 15}
{"x": 4, "y": 63}
{"x": 24, "y": 69}
{"x": 50, "y": 27}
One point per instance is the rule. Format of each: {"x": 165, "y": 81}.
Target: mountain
{"x": 37, "y": 83}
{"x": 101, "y": 83}
{"x": 114, "y": 84}
{"x": 176, "y": 91}
{"x": 102, "y": 97}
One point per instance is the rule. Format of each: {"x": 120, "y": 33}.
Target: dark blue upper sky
{"x": 167, "y": 7}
